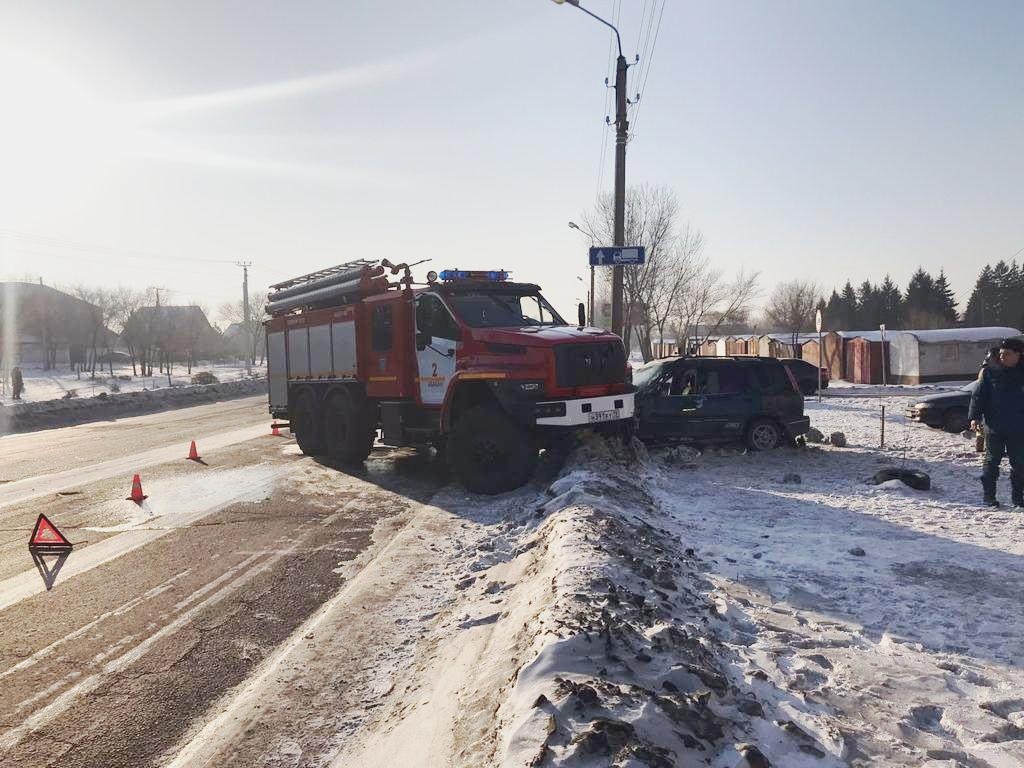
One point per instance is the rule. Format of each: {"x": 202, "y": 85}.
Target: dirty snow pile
{"x": 626, "y": 665}
{"x": 723, "y": 608}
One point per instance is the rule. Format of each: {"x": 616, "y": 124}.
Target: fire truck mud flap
{"x": 585, "y": 411}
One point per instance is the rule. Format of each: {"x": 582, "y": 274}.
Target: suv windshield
{"x": 503, "y": 310}
{"x": 645, "y": 374}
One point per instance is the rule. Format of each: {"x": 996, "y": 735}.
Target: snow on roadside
{"x": 43, "y": 385}
{"x": 886, "y": 617}
{"x": 581, "y": 635}
{"x": 704, "y": 609}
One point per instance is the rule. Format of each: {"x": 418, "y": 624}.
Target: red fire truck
{"x": 472, "y": 363}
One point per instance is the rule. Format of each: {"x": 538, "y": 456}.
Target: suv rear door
{"x": 779, "y": 398}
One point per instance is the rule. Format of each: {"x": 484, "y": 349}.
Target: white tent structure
{"x": 948, "y": 354}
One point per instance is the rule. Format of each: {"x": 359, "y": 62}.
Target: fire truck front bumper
{"x": 583, "y": 411}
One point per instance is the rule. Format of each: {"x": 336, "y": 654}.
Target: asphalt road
{"x": 164, "y": 607}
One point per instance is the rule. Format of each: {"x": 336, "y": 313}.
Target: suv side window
{"x": 687, "y": 380}
{"x": 727, "y": 380}
{"x": 772, "y": 379}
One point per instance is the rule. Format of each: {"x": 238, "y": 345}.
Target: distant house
{"x": 171, "y": 334}
{"x": 51, "y": 327}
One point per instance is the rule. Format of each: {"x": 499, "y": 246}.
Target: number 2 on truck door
{"x": 437, "y": 338}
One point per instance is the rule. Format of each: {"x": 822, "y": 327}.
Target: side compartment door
{"x": 437, "y": 338}
{"x": 277, "y": 369}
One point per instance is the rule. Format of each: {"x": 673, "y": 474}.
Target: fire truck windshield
{"x": 486, "y": 309}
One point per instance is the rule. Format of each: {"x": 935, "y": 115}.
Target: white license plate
{"x": 603, "y": 416}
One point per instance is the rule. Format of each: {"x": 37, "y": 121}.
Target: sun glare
{"x": 53, "y": 136}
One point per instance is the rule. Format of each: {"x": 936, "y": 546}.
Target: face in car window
{"x": 685, "y": 381}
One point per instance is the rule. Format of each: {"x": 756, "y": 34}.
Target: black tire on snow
{"x": 488, "y": 453}
{"x": 764, "y": 435}
{"x": 305, "y": 424}
{"x": 955, "y": 420}
{"x": 348, "y": 429}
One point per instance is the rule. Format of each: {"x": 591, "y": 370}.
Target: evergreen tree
{"x": 921, "y": 304}
{"x": 1013, "y": 297}
{"x": 920, "y": 291}
{"x": 833, "y": 312}
{"x": 945, "y": 301}
{"x": 1002, "y": 280}
{"x": 851, "y": 320}
{"x": 890, "y": 304}
{"x": 869, "y": 309}
{"x": 981, "y": 306}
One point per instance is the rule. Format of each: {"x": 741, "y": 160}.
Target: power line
{"x": 650, "y": 60}
{"x": 602, "y": 161}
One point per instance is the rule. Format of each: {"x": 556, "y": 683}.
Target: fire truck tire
{"x": 305, "y": 421}
{"x": 348, "y": 433}
{"x": 488, "y": 453}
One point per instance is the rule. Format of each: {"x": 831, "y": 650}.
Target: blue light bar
{"x": 494, "y": 276}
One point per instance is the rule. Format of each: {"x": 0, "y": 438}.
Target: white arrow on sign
{"x": 600, "y": 257}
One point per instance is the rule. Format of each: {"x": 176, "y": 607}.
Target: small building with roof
{"x": 949, "y": 354}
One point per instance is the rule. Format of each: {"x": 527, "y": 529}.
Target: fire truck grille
{"x": 581, "y": 365}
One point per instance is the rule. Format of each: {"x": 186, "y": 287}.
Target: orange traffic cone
{"x": 193, "y": 454}
{"x": 137, "y": 494}
{"x": 274, "y": 430}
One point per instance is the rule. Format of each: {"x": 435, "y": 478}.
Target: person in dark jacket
{"x": 999, "y": 400}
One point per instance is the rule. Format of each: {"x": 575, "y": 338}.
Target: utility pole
{"x": 619, "y": 234}
{"x": 621, "y": 137}
{"x": 245, "y": 312}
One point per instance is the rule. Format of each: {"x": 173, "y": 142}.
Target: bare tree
{"x": 651, "y": 220}
{"x": 234, "y": 312}
{"x": 791, "y": 307}
{"x": 709, "y": 299}
{"x": 125, "y": 301}
{"x": 99, "y": 317}
{"x": 681, "y": 271}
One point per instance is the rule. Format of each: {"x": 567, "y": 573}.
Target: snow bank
{"x": 24, "y": 416}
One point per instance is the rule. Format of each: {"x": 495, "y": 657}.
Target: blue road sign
{"x": 609, "y": 256}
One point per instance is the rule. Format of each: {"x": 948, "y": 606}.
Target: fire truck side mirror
{"x": 581, "y": 312}
{"x": 423, "y": 340}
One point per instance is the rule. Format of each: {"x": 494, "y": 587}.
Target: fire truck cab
{"x": 479, "y": 366}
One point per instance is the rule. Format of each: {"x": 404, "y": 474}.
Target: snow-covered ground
{"x": 43, "y": 385}
{"x": 839, "y": 387}
{"x": 704, "y": 609}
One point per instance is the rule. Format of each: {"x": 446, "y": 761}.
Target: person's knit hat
{"x": 1015, "y": 345}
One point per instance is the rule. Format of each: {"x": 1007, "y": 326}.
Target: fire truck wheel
{"x": 347, "y": 430}
{"x": 305, "y": 423}
{"x": 489, "y": 453}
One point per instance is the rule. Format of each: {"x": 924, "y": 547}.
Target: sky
{"x": 156, "y": 144}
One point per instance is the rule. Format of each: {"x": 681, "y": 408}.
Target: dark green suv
{"x": 706, "y": 400}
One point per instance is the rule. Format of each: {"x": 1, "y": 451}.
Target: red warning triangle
{"x": 45, "y": 534}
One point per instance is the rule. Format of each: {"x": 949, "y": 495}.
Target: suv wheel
{"x": 489, "y": 453}
{"x": 764, "y": 435}
{"x": 956, "y": 420}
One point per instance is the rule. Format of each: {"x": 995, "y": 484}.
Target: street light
{"x": 621, "y": 136}
{"x": 590, "y": 296}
